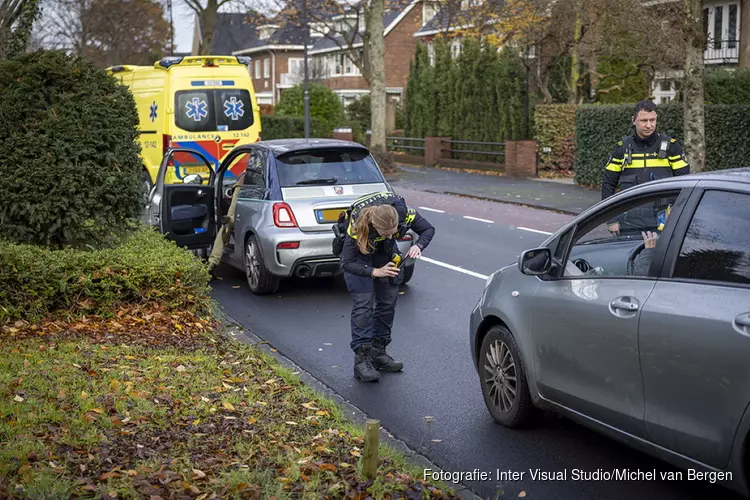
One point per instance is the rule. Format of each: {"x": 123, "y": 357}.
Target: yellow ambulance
{"x": 203, "y": 103}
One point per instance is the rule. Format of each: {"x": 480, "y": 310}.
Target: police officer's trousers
{"x": 373, "y": 309}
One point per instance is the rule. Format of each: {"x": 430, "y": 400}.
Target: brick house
{"x": 276, "y": 48}
{"x": 724, "y": 22}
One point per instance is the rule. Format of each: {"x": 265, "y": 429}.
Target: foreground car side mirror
{"x": 193, "y": 179}
{"x": 536, "y": 262}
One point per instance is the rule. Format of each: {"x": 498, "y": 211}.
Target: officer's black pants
{"x": 373, "y": 309}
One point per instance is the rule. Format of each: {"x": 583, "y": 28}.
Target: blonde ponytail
{"x": 383, "y": 218}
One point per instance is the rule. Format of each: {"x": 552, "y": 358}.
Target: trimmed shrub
{"x": 556, "y": 129}
{"x": 286, "y": 127}
{"x": 68, "y": 151}
{"x": 598, "y": 128}
{"x": 325, "y": 108}
{"x": 145, "y": 267}
{"x": 727, "y": 87}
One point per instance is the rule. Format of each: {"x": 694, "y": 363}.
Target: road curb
{"x": 238, "y": 332}
{"x": 497, "y": 200}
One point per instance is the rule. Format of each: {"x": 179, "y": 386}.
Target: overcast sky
{"x": 184, "y": 19}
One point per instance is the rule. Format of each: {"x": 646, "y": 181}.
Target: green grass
{"x": 81, "y": 418}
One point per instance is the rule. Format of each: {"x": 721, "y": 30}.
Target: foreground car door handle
{"x": 742, "y": 323}
{"x": 624, "y": 307}
{"x": 624, "y": 304}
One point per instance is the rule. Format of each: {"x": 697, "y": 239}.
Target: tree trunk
{"x": 208, "y": 25}
{"x": 693, "y": 102}
{"x": 377, "y": 74}
{"x": 575, "y": 71}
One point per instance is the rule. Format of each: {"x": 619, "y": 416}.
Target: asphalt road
{"x": 308, "y": 321}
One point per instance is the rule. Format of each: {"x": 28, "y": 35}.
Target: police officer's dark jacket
{"x": 355, "y": 262}
{"x": 635, "y": 161}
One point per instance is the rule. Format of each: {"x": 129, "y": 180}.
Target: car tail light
{"x": 288, "y": 245}
{"x": 283, "y": 215}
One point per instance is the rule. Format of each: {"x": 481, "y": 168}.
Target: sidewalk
{"x": 557, "y": 195}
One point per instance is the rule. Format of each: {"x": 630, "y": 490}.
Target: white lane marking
{"x": 478, "y": 219}
{"x": 432, "y": 210}
{"x": 533, "y": 230}
{"x": 454, "y": 268}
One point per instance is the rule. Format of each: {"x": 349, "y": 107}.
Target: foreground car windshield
{"x": 327, "y": 167}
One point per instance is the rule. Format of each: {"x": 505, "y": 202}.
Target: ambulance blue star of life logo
{"x": 233, "y": 108}
{"x": 152, "y": 114}
{"x": 196, "y": 109}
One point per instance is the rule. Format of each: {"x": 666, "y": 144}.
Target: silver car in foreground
{"x": 648, "y": 345}
{"x": 292, "y": 194}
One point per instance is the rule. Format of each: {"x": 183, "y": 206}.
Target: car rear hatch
{"x": 319, "y": 184}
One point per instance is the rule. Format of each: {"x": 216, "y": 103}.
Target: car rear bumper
{"x": 313, "y": 258}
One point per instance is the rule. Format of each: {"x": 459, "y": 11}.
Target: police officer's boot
{"x": 381, "y": 360}
{"x": 363, "y": 368}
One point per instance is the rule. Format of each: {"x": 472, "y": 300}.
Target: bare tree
{"x": 107, "y": 31}
{"x": 207, "y": 12}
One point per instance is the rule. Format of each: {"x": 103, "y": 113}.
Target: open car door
{"x": 185, "y": 212}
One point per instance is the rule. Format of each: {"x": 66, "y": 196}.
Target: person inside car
{"x": 372, "y": 277}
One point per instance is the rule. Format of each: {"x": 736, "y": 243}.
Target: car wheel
{"x": 503, "y": 377}
{"x": 408, "y": 273}
{"x": 259, "y": 278}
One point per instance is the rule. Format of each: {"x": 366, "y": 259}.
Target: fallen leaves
{"x": 18, "y": 399}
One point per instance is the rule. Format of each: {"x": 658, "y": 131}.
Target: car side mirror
{"x": 193, "y": 179}
{"x": 536, "y": 262}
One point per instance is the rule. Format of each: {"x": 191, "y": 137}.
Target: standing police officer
{"x": 643, "y": 156}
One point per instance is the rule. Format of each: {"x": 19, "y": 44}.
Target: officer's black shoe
{"x": 381, "y": 360}
{"x": 363, "y": 368}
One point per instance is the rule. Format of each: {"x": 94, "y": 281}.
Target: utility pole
{"x": 171, "y": 28}
{"x": 306, "y": 27}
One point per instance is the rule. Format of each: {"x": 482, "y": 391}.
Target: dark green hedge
{"x": 288, "y": 127}
{"x": 727, "y": 87}
{"x": 598, "y": 128}
{"x": 325, "y": 108}
{"x": 69, "y": 154}
{"x": 145, "y": 267}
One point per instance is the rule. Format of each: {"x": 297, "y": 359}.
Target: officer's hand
{"x": 414, "y": 252}
{"x": 649, "y": 238}
{"x": 614, "y": 228}
{"x": 387, "y": 271}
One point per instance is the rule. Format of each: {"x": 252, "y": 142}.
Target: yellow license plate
{"x": 195, "y": 170}
{"x": 329, "y": 214}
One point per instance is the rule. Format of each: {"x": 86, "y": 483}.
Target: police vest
{"x": 406, "y": 214}
{"x": 644, "y": 163}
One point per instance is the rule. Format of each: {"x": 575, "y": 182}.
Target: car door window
{"x": 717, "y": 244}
{"x": 255, "y": 176}
{"x": 614, "y": 244}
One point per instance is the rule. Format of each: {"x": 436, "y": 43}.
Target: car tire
{"x": 408, "y": 273}
{"x": 503, "y": 378}
{"x": 259, "y": 278}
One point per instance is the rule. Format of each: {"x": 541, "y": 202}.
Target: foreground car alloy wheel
{"x": 259, "y": 278}
{"x": 503, "y": 378}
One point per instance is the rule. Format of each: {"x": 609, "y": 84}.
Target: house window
{"x": 456, "y": 48}
{"x": 431, "y": 52}
{"x": 665, "y": 89}
{"x": 266, "y": 68}
{"x": 467, "y": 4}
{"x": 257, "y": 70}
{"x": 721, "y": 25}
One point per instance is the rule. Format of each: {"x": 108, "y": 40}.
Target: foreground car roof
{"x": 731, "y": 175}
{"x": 282, "y": 146}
